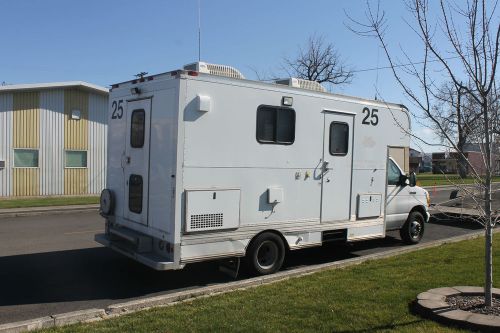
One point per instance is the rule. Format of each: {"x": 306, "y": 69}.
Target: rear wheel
{"x": 413, "y": 229}
{"x": 266, "y": 254}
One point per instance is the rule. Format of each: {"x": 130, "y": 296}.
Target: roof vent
{"x": 220, "y": 70}
{"x": 301, "y": 83}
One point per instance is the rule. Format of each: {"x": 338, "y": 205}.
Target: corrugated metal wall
{"x": 76, "y": 138}
{"x": 42, "y": 120}
{"x": 6, "y": 144}
{"x": 26, "y": 134}
{"x": 52, "y": 142}
{"x": 98, "y": 138}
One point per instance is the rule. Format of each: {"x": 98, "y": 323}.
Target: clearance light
{"x": 193, "y": 73}
{"x": 287, "y": 101}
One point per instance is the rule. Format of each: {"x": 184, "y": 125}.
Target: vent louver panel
{"x": 206, "y": 221}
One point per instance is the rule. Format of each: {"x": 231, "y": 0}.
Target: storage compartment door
{"x": 212, "y": 209}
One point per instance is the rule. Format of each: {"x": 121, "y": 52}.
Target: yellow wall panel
{"x": 26, "y": 134}
{"x": 75, "y": 181}
{"x": 26, "y": 181}
{"x": 76, "y": 138}
{"x": 76, "y": 131}
{"x": 26, "y": 120}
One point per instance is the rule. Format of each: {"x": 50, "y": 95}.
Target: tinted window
{"x": 138, "y": 122}
{"x": 135, "y": 194}
{"x": 393, "y": 173}
{"x": 339, "y": 138}
{"x": 76, "y": 159}
{"x": 275, "y": 125}
{"x": 25, "y": 158}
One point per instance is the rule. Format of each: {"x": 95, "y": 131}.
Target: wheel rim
{"x": 415, "y": 229}
{"x": 267, "y": 254}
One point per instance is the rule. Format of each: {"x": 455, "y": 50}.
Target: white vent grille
{"x": 206, "y": 221}
{"x": 220, "y": 70}
{"x": 301, "y": 83}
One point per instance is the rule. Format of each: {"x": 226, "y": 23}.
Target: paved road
{"x": 50, "y": 264}
{"x": 442, "y": 194}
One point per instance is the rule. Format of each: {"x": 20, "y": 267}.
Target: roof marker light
{"x": 193, "y": 73}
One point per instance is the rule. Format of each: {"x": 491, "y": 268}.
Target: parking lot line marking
{"x": 81, "y": 232}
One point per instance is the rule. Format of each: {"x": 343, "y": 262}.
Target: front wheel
{"x": 413, "y": 229}
{"x": 266, "y": 254}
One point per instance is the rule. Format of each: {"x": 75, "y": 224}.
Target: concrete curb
{"x": 437, "y": 187}
{"x": 47, "y": 210}
{"x": 119, "y": 309}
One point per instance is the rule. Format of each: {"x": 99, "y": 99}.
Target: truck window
{"x": 275, "y": 125}
{"x": 137, "y": 125}
{"x": 135, "y": 194}
{"x": 393, "y": 174}
{"x": 339, "y": 138}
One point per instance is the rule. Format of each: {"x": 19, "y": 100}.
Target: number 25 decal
{"x": 372, "y": 114}
{"x": 117, "y": 109}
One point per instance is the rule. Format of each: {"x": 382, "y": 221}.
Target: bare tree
{"x": 319, "y": 61}
{"x": 460, "y": 41}
{"x": 457, "y": 114}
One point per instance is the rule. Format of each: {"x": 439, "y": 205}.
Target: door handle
{"x": 325, "y": 166}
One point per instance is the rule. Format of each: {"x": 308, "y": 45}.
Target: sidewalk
{"x": 34, "y": 211}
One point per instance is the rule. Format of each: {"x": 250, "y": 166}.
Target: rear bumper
{"x": 149, "y": 259}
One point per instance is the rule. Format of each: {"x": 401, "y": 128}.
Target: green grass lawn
{"x": 430, "y": 179}
{"x": 48, "y": 201}
{"x": 372, "y": 297}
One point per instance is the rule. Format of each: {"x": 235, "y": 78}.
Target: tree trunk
{"x": 487, "y": 209}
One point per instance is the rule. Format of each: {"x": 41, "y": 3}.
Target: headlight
{"x": 107, "y": 202}
{"x": 428, "y": 198}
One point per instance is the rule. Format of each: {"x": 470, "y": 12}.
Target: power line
{"x": 399, "y": 65}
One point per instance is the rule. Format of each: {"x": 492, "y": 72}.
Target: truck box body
{"x": 200, "y": 164}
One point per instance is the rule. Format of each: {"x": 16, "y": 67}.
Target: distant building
{"x": 52, "y": 139}
{"x": 415, "y": 160}
{"x": 447, "y": 162}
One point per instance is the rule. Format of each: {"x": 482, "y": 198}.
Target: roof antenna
{"x": 376, "y": 75}
{"x": 199, "y": 30}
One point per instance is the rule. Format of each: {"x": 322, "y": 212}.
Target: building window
{"x": 339, "y": 138}
{"x": 75, "y": 159}
{"x": 137, "y": 128}
{"x": 25, "y": 158}
{"x": 275, "y": 125}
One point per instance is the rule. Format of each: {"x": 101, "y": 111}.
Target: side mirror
{"x": 413, "y": 179}
{"x": 403, "y": 180}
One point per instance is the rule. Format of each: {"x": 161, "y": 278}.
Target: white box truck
{"x": 204, "y": 164}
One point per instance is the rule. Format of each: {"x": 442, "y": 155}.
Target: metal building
{"x": 52, "y": 139}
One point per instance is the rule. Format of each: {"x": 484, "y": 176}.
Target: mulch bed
{"x": 474, "y": 304}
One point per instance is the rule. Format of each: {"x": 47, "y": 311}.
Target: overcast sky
{"x": 108, "y": 41}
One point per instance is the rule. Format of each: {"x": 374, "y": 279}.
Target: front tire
{"x": 266, "y": 254}
{"x": 413, "y": 229}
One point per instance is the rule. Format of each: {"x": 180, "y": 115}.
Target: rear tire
{"x": 266, "y": 254}
{"x": 413, "y": 229}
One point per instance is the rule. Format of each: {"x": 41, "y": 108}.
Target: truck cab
{"x": 407, "y": 204}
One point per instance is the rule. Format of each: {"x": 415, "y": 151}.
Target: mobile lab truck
{"x": 203, "y": 164}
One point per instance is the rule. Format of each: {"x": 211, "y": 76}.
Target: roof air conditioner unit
{"x": 220, "y": 70}
{"x": 301, "y": 83}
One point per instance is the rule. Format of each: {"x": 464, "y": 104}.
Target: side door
{"x": 136, "y": 160}
{"x": 336, "y": 166}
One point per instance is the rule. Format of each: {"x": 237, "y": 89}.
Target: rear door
{"x": 337, "y": 166}
{"x": 136, "y": 160}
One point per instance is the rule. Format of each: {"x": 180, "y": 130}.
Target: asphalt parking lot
{"x": 50, "y": 264}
